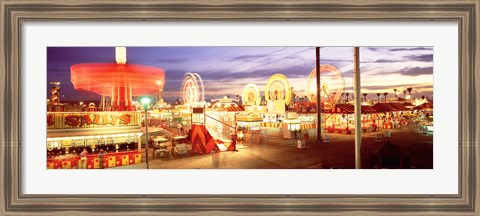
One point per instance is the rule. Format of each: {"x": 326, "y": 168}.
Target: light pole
{"x": 145, "y": 102}
{"x": 159, "y": 83}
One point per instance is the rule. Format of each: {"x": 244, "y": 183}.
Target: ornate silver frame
{"x": 13, "y": 13}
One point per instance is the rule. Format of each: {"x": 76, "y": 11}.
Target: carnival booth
{"x": 391, "y": 115}
{"x": 425, "y": 117}
{"x": 249, "y": 123}
{"x": 307, "y": 113}
{"x": 291, "y": 126}
{"x": 116, "y": 133}
{"x": 340, "y": 119}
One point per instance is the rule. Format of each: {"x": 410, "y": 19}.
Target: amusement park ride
{"x": 216, "y": 126}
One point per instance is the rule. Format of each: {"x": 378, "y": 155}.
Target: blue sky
{"x": 226, "y": 70}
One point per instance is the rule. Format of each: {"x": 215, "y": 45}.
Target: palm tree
{"x": 347, "y": 95}
{"x": 385, "y": 96}
{"x": 409, "y": 90}
{"x": 364, "y": 96}
{"x": 378, "y": 96}
{"x": 395, "y": 90}
{"x": 404, "y": 93}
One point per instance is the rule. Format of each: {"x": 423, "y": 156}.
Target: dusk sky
{"x": 226, "y": 70}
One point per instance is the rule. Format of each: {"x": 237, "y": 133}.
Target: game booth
{"x": 116, "y": 133}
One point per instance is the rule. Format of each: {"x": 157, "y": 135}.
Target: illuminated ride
{"x": 118, "y": 80}
{"x": 193, "y": 91}
{"x": 250, "y": 120}
{"x": 212, "y": 128}
{"x": 221, "y": 120}
{"x": 332, "y": 84}
{"x": 278, "y": 88}
{"x": 251, "y": 95}
{"x": 55, "y": 93}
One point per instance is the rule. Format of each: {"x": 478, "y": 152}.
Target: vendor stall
{"x": 340, "y": 119}
{"x": 249, "y": 123}
{"x": 291, "y": 126}
{"x": 116, "y": 133}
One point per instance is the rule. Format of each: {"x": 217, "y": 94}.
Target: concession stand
{"x": 340, "y": 119}
{"x": 117, "y": 133}
{"x": 391, "y": 115}
{"x": 291, "y": 126}
{"x": 249, "y": 123}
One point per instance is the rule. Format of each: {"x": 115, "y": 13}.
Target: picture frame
{"x": 15, "y": 13}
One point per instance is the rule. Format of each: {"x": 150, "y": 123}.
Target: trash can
{"x": 301, "y": 144}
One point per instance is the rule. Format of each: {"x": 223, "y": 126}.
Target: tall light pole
{"x": 319, "y": 105}
{"x": 145, "y": 102}
{"x": 358, "y": 106}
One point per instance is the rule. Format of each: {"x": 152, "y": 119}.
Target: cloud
{"x": 336, "y": 60}
{"x": 294, "y": 71}
{"x": 348, "y": 73}
{"x": 411, "y": 49}
{"x": 422, "y": 58}
{"x": 385, "y": 61}
{"x": 416, "y": 71}
{"x": 247, "y": 57}
{"x": 174, "y": 74}
{"x": 373, "y": 48}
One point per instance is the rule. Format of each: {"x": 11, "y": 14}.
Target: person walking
{"x": 83, "y": 158}
{"x": 215, "y": 159}
{"x": 101, "y": 158}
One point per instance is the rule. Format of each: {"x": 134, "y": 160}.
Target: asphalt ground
{"x": 269, "y": 150}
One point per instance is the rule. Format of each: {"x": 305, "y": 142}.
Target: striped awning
{"x": 350, "y": 109}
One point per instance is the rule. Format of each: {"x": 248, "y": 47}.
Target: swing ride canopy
{"x": 107, "y": 78}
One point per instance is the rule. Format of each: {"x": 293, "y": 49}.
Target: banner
{"x": 62, "y": 120}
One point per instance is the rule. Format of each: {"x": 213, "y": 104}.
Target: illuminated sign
{"x": 62, "y": 120}
{"x": 197, "y": 110}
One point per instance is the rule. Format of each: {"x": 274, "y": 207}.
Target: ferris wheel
{"x": 193, "y": 90}
{"x": 251, "y": 95}
{"x": 332, "y": 84}
{"x": 278, "y": 88}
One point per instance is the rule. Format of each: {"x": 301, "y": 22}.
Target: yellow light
{"x": 276, "y": 79}
{"x": 121, "y": 55}
{"x": 95, "y": 137}
{"x": 251, "y": 89}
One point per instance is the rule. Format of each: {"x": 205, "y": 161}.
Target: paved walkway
{"x": 270, "y": 151}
